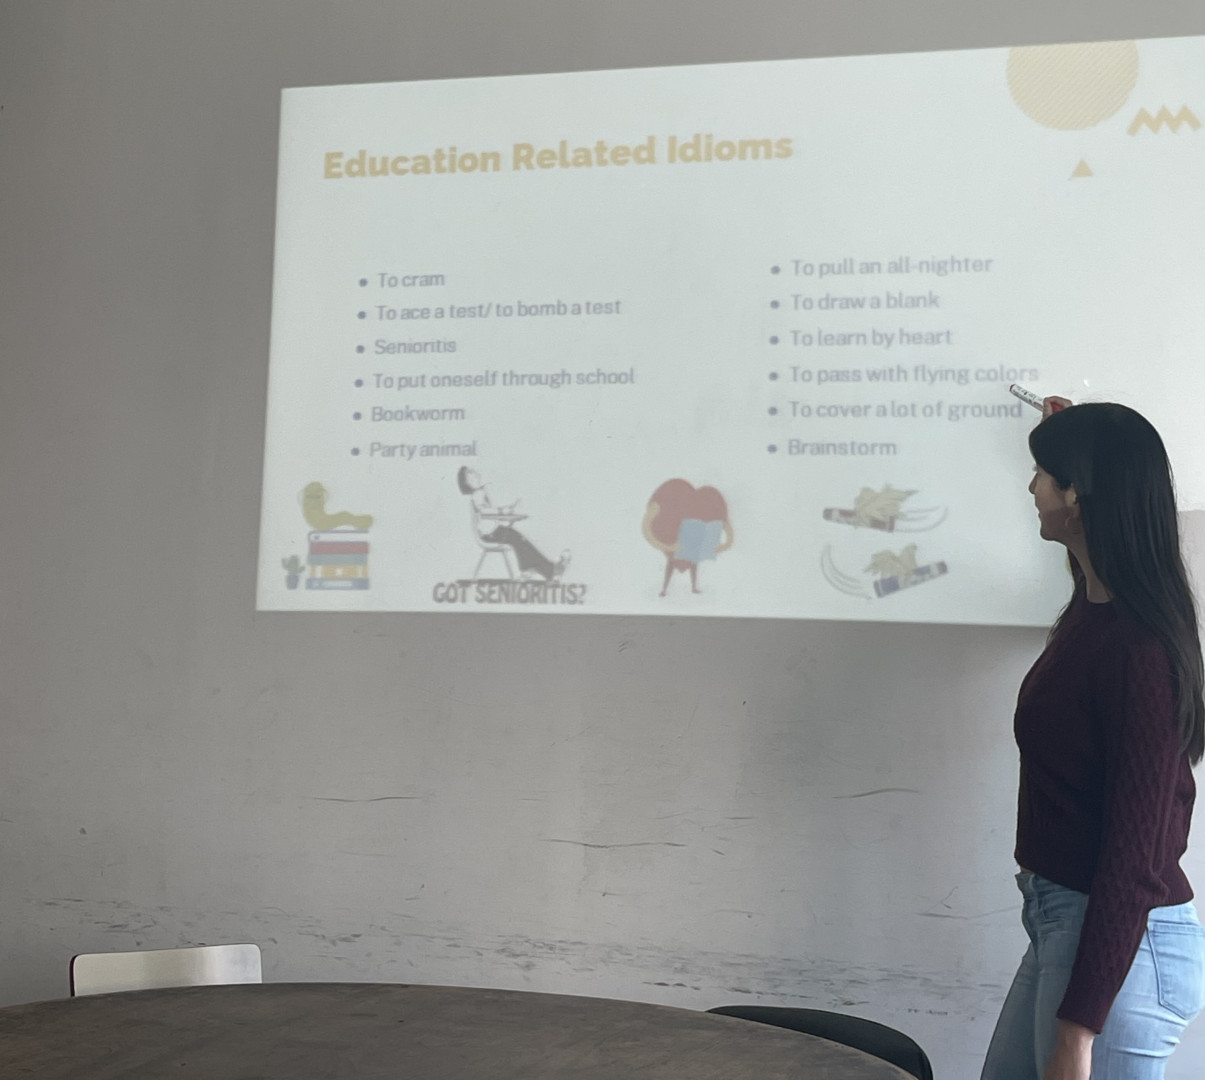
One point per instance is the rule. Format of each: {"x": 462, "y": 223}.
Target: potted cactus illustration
{"x": 293, "y": 567}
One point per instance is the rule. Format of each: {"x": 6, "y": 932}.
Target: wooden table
{"x": 372, "y": 1031}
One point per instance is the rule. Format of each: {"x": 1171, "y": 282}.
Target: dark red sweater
{"x": 1106, "y": 792}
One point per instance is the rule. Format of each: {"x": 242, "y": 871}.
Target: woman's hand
{"x": 1051, "y": 405}
{"x": 1072, "y": 1057}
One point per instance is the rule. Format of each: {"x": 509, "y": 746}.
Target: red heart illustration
{"x": 677, "y": 499}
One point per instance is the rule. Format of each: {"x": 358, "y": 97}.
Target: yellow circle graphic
{"x": 1071, "y": 87}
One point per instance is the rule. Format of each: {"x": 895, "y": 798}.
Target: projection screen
{"x": 729, "y": 340}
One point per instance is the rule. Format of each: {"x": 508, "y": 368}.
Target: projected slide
{"x": 729, "y": 340}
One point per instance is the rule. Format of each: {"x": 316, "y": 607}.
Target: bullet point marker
{"x": 773, "y": 303}
{"x": 774, "y": 269}
{"x": 355, "y": 416}
{"x": 359, "y": 348}
{"x": 355, "y": 451}
{"x": 773, "y": 411}
{"x": 774, "y": 340}
{"x": 772, "y": 448}
{"x": 359, "y": 382}
{"x": 773, "y": 375}
{"x": 363, "y": 282}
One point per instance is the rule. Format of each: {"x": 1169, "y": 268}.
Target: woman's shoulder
{"x": 1124, "y": 648}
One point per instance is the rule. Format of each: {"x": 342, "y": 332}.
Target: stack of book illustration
{"x": 338, "y": 559}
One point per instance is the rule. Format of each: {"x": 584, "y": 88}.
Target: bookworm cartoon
{"x": 688, "y": 525}
{"x": 313, "y": 507}
{"x": 338, "y": 543}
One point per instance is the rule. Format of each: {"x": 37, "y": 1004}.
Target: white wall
{"x": 689, "y": 812}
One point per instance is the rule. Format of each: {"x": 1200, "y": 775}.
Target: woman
{"x": 1109, "y": 723}
{"x": 495, "y": 525}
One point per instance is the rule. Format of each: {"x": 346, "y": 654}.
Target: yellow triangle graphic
{"x": 1082, "y": 170}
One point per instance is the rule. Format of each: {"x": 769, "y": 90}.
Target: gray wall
{"x": 688, "y": 812}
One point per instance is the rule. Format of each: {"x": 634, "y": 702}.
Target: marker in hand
{"x": 1030, "y": 398}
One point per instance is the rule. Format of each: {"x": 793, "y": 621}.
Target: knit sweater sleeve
{"x": 1136, "y": 702}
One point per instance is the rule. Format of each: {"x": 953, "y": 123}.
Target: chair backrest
{"x": 482, "y": 543}
{"x": 869, "y": 1036}
{"x": 152, "y": 969}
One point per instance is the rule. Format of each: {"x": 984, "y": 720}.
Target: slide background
{"x": 1095, "y": 282}
{"x": 672, "y": 810}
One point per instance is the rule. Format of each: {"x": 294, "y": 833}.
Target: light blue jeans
{"x": 1164, "y": 990}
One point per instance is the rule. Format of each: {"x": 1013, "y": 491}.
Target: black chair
{"x": 878, "y": 1040}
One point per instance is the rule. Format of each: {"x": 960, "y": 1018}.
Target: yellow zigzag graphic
{"x": 1164, "y": 118}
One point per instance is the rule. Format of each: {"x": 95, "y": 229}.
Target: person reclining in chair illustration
{"x": 495, "y": 526}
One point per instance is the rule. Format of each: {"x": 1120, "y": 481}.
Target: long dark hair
{"x": 1118, "y": 466}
